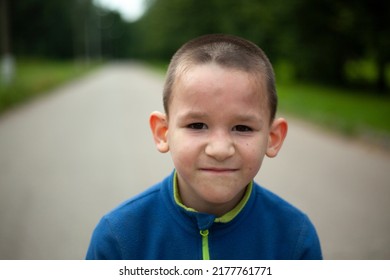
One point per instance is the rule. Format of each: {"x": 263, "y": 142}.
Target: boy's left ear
{"x": 276, "y": 137}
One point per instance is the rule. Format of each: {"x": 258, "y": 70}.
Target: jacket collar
{"x": 205, "y": 220}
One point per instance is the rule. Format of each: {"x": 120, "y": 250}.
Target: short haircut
{"x": 226, "y": 51}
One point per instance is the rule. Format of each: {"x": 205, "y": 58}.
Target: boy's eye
{"x": 242, "y": 128}
{"x": 197, "y": 126}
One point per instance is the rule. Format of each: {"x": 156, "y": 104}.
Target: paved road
{"x": 68, "y": 158}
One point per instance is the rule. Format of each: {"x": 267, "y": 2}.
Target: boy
{"x": 219, "y": 122}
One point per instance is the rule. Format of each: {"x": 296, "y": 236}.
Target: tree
{"x": 318, "y": 37}
{"x": 331, "y": 33}
{"x": 67, "y": 29}
{"x": 376, "y": 36}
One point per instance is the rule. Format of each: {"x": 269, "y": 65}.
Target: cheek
{"x": 253, "y": 163}
{"x": 254, "y": 153}
{"x": 253, "y": 147}
{"x": 183, "y": 150}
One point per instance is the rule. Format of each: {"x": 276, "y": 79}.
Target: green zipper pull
{"x": 205, "y": 244}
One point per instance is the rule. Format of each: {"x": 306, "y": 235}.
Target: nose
{"x": 220, "y": 146}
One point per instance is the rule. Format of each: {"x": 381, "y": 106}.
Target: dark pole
{"x": 7, "y": 61}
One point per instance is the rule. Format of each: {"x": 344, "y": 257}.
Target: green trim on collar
{"x": 229, "y": 216}
{"x": 176, "y": 195}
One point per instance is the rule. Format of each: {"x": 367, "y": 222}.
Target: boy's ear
{"x": 159, "y": 125}
{"x": 276, "y": 137}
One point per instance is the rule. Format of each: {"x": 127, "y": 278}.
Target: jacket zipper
{"x": 205, "y": 244}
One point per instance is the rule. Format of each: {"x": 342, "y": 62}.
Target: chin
{"x": 220, "y": 199}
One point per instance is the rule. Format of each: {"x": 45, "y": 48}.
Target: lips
{"x": 218, "y": 170}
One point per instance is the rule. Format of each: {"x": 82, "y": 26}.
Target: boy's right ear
{"x": 159, "y": 125}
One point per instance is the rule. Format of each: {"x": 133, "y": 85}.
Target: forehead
{"x": 220, "y": 84}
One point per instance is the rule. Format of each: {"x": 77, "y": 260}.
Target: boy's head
{"x": 219, "y": 124}
{"x": 227, "y": 51}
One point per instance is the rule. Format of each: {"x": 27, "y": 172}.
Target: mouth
{"x": 217, "y": 170}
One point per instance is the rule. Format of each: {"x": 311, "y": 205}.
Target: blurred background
{"x": 331, "y": 58}
{"x": 333, "y": 54}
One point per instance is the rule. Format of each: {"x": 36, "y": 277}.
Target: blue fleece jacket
{"x": 155, "y": 225}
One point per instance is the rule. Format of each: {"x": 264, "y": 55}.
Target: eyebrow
{"x": 242, "y": 117}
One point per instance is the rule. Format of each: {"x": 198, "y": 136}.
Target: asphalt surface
{"x": 71, "y": 156}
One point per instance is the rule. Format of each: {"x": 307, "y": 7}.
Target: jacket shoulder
{"x": 114, "y": 235}
{"x": 275, "y": 203}
{"x": 288, "y": 223}
{"x": 137, "y": 202}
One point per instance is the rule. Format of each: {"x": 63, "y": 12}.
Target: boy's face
{"x": 218, "y": 132}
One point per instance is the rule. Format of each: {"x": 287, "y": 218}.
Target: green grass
{"x": 35, "y": 77}
{"x": 355, "y": 113}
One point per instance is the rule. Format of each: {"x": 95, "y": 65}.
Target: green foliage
{"x": 35, "y": 77}
{"x": 170, "y": 23}
{"x": 321, "y": 38}
{"x": 66, "y": 29}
